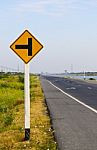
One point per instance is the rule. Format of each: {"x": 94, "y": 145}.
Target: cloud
{"x": 54, "y": 7}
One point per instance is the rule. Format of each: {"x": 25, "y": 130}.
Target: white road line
{"x": 89, "y": 88}
{"x": 71, "y": 88}
{"x": 92, "y": 109}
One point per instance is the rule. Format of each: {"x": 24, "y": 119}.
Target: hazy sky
{"x": 66, "y": 28}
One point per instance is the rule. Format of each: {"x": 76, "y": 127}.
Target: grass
{"x": 12, "y": 116}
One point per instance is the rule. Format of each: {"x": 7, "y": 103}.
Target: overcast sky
{"x": 66, "y": 28}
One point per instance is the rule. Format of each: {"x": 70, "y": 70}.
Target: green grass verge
{"x": 12, "y": 116}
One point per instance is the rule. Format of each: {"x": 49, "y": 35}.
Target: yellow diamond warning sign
{"x": 26, "y": 46}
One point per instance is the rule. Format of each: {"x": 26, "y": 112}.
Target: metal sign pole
{"x": 27, "y": 102}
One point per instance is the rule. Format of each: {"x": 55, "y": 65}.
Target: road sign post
{"x": 27, "y": 102}
{"x": 26, "y": 47}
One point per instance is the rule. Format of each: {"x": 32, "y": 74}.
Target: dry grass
{"x": 41, "y": 137}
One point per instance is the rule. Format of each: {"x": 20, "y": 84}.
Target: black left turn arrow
{"x": 29, "y": 46}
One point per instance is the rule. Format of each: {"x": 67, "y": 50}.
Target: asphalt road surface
{"x": 75, "y": 125}
{"x": 85, "y": 92}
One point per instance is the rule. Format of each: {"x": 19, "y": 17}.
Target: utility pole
{"x": 84, "y": 75}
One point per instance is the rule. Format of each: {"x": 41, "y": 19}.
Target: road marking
{"x": 79, "y": 85}
{"x": 89, "y": 88}
{"x": 71, "y": 88}
{"x": 92, "y": 109}
{"x": 67, "y": 88}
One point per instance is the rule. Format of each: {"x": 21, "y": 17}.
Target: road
{"x": 75, "y": 124}
{"x": 85, "y": 92}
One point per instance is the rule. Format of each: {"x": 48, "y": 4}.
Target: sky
{"x": 66, "y": 28}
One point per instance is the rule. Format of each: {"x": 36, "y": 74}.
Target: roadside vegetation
{"x": 12, "y": 115}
